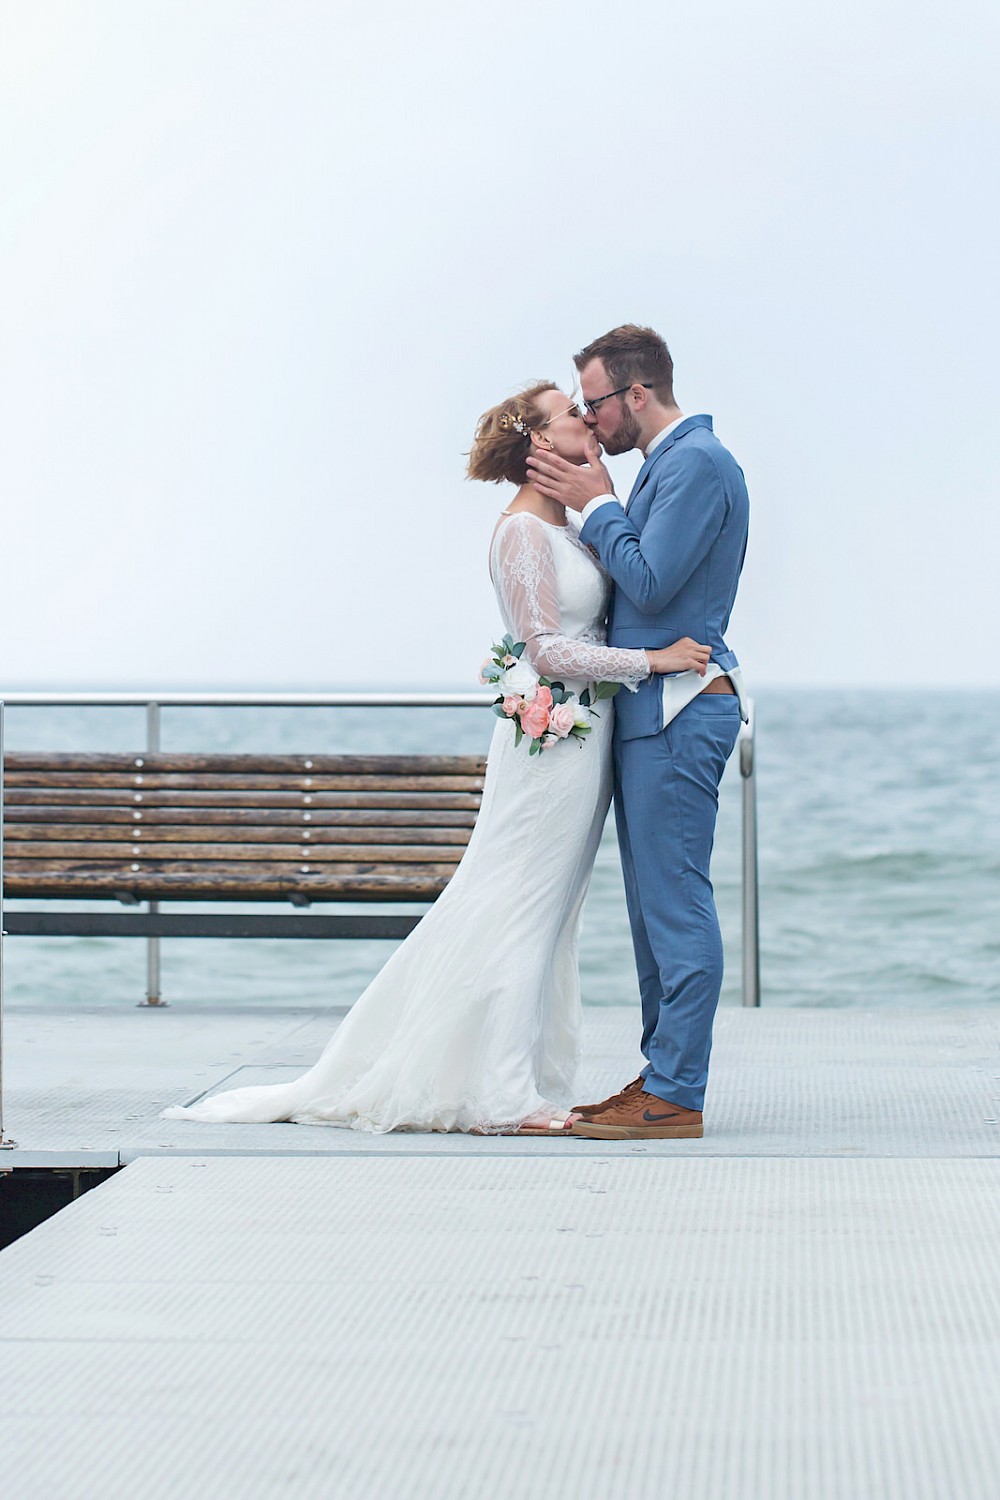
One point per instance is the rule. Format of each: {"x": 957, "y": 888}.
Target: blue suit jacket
{"x": 675, "y": 558}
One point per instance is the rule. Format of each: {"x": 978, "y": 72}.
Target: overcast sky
{"x": 264, "y": 264}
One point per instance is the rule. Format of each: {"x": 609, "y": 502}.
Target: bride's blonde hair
{"x": 503, "y": 436}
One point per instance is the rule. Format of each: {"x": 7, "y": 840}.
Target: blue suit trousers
{"x": 666, "y": 801}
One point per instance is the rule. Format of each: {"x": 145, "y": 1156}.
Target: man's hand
{"x": 568, "y": 483}
{"x": 684, "y": 655}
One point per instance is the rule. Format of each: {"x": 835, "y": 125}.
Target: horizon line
{"x": 140, "y": 688}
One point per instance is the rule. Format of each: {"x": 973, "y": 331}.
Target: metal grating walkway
{"x": 87, "y": 1087}
{"x": 805, "y": 1305}
{"x": 560, "y": 1328}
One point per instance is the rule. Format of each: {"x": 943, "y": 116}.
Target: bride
{"x": 473, "y": 1024}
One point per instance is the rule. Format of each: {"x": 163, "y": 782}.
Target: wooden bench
{"x": 233, "y": 828}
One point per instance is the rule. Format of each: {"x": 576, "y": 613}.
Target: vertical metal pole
{"x": 5, "y": 1141}
{"x": 751, "y": 898}
{"x": 153, "y": 996}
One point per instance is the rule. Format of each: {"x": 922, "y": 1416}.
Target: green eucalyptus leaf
{"x": 585, "y": 697}
{"x": 517, "y": 649}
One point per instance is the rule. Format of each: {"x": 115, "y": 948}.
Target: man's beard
{"x": 625, "y": 436}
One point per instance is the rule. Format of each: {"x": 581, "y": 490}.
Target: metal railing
{"x": 153, "y": 703}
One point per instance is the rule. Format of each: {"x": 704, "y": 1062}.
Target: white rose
{"x": 519, "y": 679}
{"x": 581, "y": 715}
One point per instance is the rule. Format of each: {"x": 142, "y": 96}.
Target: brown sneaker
{"x": 597, "y": 1109}
{"x": 638, "y": 1116}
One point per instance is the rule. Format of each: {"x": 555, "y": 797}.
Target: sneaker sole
{"x": 634, "y": 1133}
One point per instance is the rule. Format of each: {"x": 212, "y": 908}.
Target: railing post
{"x": 153, "y": 996}
{"x": 5, "y": 1142}
{"x": 751, "y": 899}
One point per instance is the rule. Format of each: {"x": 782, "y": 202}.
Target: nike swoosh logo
{"x": 668, "y": 1116}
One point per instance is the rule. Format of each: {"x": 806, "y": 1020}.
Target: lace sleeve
{"x": 525, "y": 579}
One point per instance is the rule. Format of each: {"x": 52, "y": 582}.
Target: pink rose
{"x": 535, "y": 716}
{"x": 512, "y": 704}
{"x": 544, "y": 696}
{"x": 561, "y": 720}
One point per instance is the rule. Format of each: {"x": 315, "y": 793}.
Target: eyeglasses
{"x": 599, "y": 400}
{"x": 571, "y": 411}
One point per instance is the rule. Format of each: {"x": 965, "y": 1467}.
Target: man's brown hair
{"x": 632, "y": 355}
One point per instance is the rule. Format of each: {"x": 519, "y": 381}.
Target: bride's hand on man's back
{"x": 684, "y": 655}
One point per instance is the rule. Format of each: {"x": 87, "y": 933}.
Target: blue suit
{"x": 675, "y": 559}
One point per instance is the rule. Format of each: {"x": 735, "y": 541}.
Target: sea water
{"x": 879, "y": 837}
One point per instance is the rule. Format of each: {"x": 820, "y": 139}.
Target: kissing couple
{"x": 474, "y": 1022}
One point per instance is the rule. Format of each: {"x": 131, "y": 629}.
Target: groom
{"x": 675, "y": 553}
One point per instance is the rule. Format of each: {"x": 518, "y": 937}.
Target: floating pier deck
{"x": 806, "y": 1303}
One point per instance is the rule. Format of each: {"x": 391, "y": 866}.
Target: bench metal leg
{"x": 153, "y": 996}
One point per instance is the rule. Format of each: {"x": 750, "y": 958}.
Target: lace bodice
{"x": 554, "y": 597}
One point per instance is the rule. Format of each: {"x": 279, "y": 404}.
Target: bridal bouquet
{"x": 543, "y": 711}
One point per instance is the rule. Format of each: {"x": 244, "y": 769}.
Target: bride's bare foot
{"x": 547, "y": 1122}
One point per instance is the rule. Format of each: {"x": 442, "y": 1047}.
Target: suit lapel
{"x": 641, "y": 477}
{"x": 660, "y": 450}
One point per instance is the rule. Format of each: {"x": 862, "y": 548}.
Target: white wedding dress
{"x": 474, "y": 1022}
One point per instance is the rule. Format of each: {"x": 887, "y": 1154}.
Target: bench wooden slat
{"x": 33, "y": 840}
{"x": 208, "y": 782}
{"x": 243, "y": 763}
{"x": 85, "y": 867}
{"x": 50, "y": 854}
{"x": 234, "y": 883}
{"x": 64, "y": 797}
{"x": 238, "y": 817}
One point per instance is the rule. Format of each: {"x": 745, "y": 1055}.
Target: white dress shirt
{"x": 680, "y": 687}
